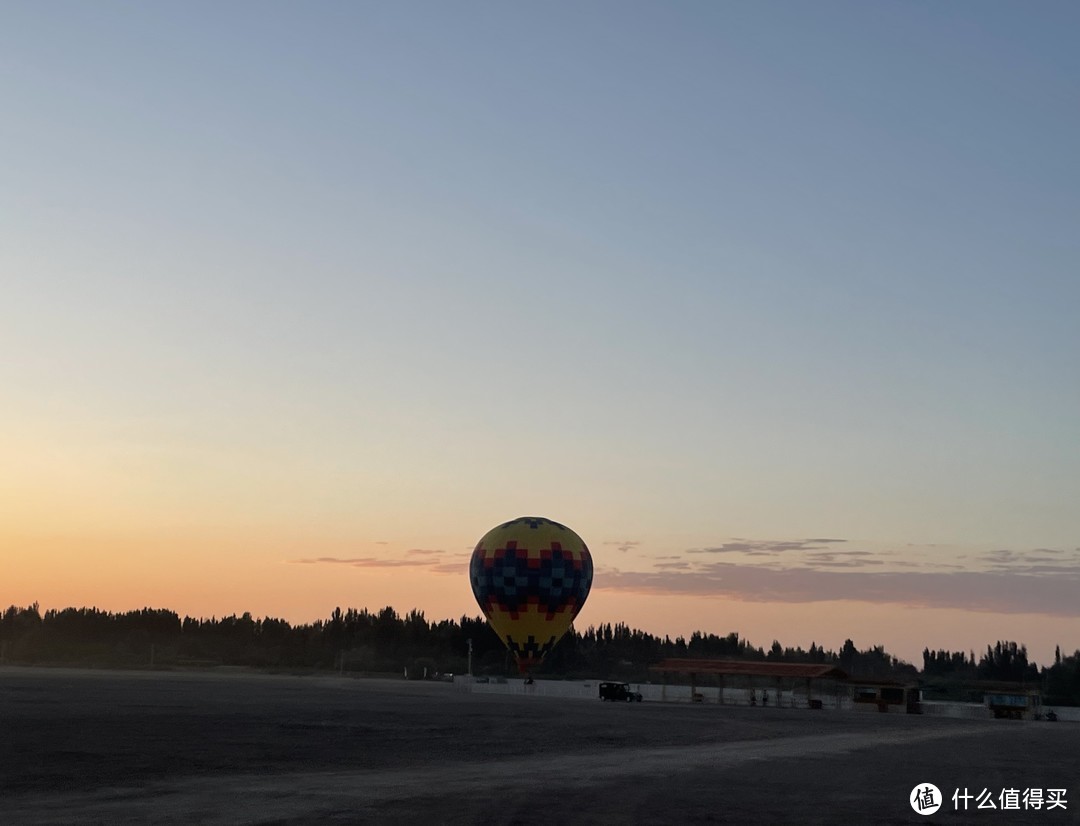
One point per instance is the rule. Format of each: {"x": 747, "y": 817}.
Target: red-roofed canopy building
{"x": 749, "y": 676}
{"x": 799, "y": 681}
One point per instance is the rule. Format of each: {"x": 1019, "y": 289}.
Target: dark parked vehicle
{"x": 619, "y": 692}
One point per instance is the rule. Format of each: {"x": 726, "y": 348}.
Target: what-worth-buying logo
{"x": 926, "y": 798}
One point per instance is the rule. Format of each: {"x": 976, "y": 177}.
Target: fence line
{"x": 711, "y": 695}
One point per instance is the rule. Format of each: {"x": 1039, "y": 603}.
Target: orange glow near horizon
{"x": 197, "y": 576}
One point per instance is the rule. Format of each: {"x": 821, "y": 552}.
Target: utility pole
{"x": 470, "y": 656}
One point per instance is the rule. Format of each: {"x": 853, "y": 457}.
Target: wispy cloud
{"x": 435, "y": 560}
{"x": 846, "y": 563}
{"x": 362, "y": 562}
{"x": 673, "y": 566}
{"x": 1047, "y": 590}
{"x": 623, "y": 545}
{"x": 757, "y": 547}
{"x": 450, "y": 568}
{"x": 1037, "y": 561}
{"x": 846, "y": 559}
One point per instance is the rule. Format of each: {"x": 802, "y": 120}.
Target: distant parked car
{"x": 619, "y": 692}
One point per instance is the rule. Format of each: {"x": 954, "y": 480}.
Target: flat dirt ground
{"x": 157, "y": 747}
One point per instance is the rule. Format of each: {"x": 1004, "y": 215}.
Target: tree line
{"x": 359, "y": 640}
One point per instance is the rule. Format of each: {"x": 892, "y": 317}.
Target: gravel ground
{"x": 158, "y": 747}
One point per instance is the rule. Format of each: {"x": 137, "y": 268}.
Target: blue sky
{"x": 679, "y": 275}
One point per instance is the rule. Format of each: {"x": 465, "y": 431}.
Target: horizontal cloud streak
{"x": 624, "y": 545}
{"x": 363, "y": 562}
{"x": 984, "y": 591}
{"x": 758, "y": 547}
{"x": 436, "y": 561}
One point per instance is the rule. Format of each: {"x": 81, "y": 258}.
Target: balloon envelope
{"x": 531, "y": 576}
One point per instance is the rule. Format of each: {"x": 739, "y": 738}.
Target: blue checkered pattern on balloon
{"x": 510, "y": 580}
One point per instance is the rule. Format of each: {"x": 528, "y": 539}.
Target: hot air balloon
{"x": 531, "y": 576}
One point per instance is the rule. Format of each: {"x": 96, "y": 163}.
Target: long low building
{"x": 802, "y": 684}
{"x": 752, "y": 676}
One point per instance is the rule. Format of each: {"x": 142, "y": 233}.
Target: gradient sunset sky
{"x": 776, "y": 304}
